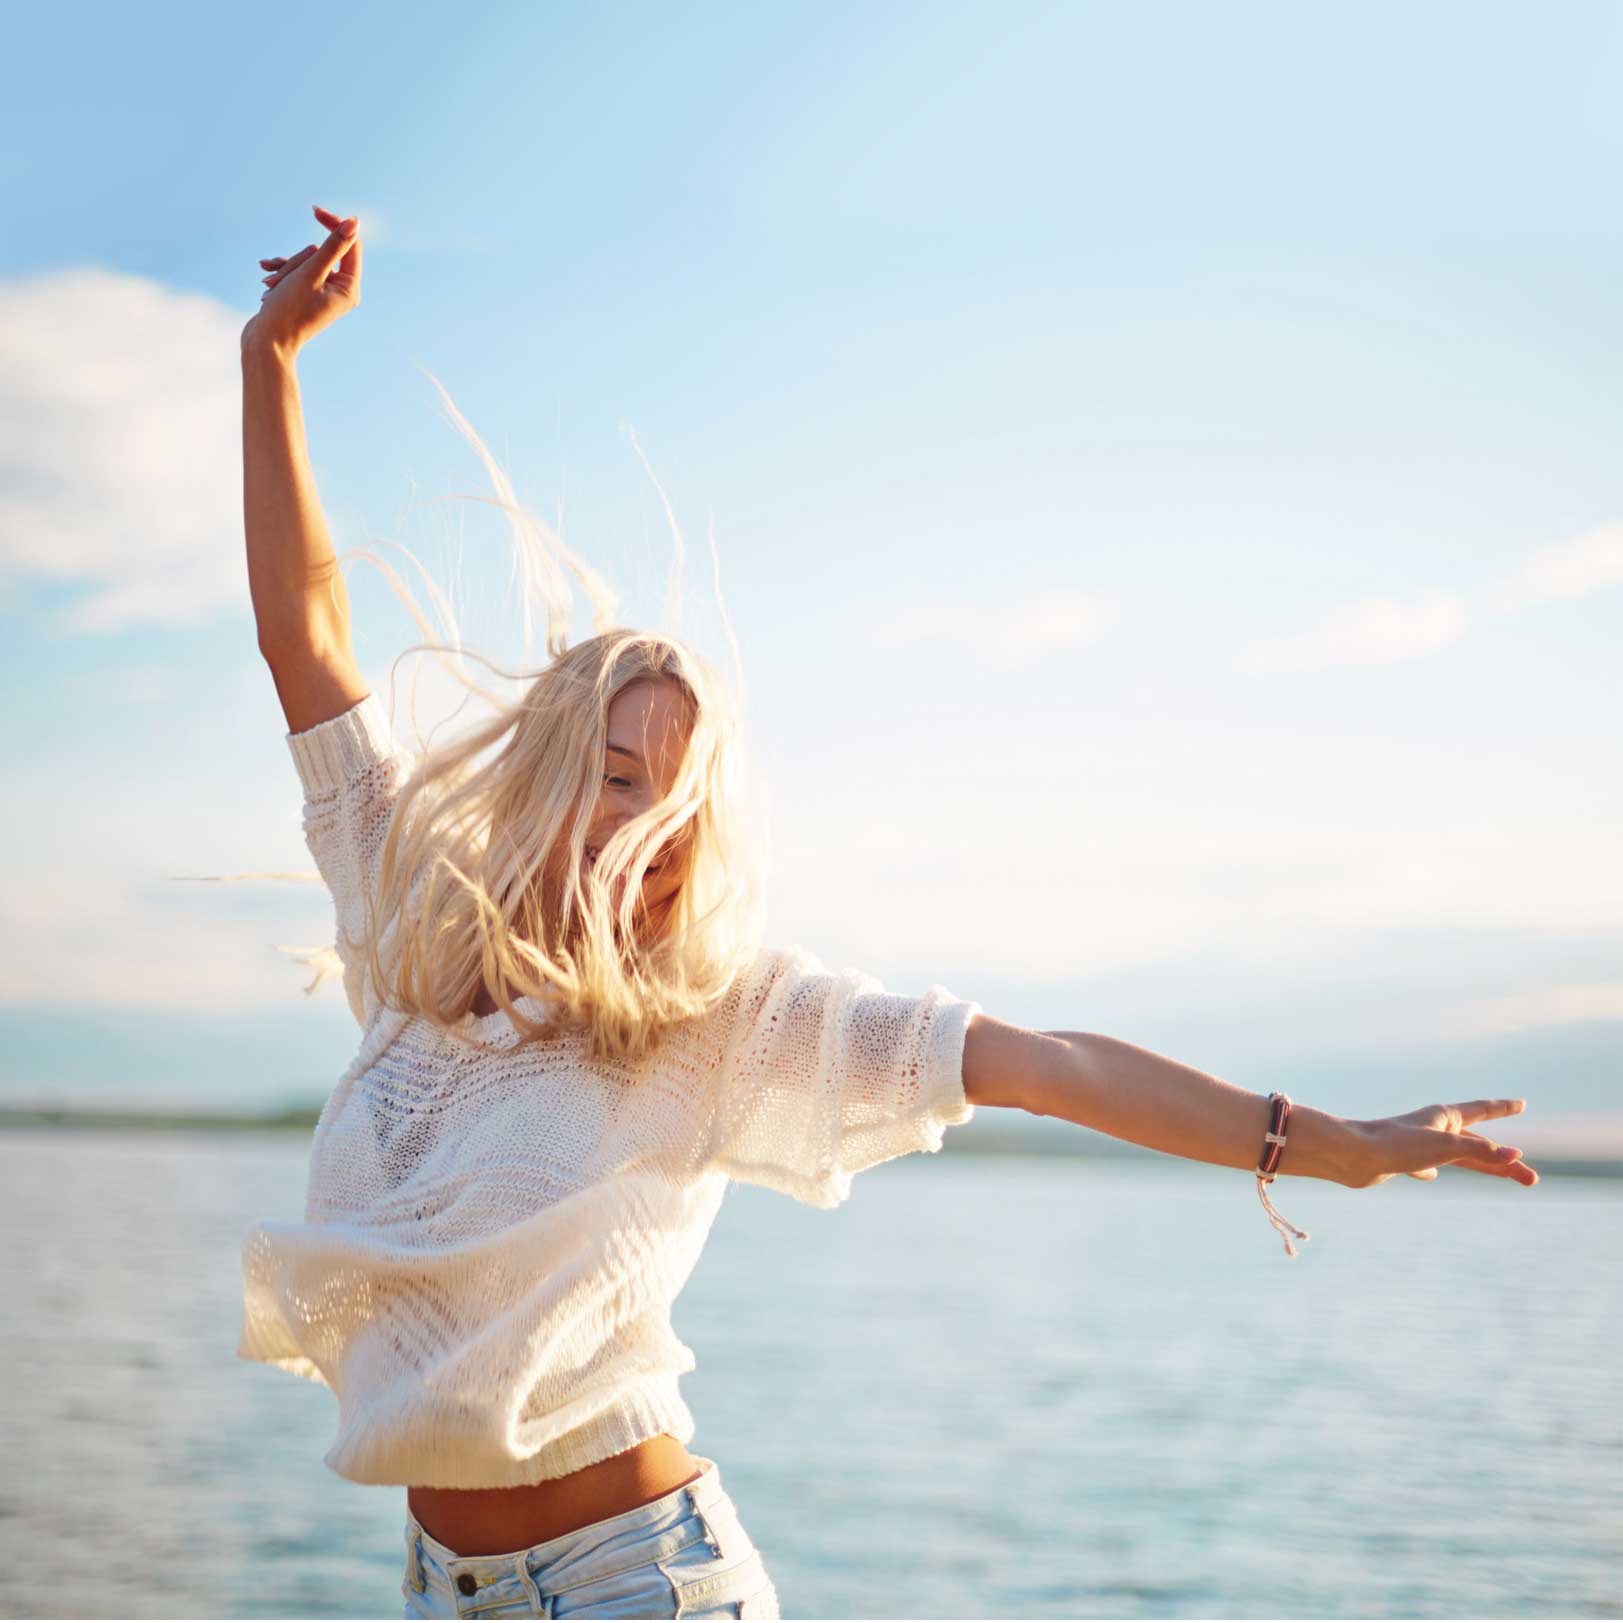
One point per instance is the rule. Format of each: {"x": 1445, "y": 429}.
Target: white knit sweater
{"x": 492, "y": 1242}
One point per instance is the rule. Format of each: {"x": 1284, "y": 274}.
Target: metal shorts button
{"x": 467, "y": 1583}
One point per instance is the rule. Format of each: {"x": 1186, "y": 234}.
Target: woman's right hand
{"x": 308, "y": 290}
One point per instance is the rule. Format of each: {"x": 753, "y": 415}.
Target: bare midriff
{"x": 495, "y": 1521}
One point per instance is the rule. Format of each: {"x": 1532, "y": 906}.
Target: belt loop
{"x": 414, "y": 1557}
{"x": 697, "y": 1509}
{"x": 542, "y": 1603}
{"x": 704, "y": 1482}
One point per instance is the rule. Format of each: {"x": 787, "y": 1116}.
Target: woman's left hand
{"x": 1420, "y": 1142}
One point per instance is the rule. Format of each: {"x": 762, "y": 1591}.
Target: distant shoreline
{"x": 973, "y": 1140}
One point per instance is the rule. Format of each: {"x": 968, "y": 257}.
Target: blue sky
{"x": 1162, "y": 463}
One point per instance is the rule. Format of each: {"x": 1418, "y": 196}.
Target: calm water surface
{"x": 984, "y": 1388}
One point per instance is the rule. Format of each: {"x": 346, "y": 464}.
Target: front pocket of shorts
{"x": 707, "y": 1587}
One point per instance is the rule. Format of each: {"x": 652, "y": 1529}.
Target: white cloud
{"x": 1569, "y": 569}
{"x": 117, "y": 904}
{"x": 1381, "y": 630}
{"x": 1373, "y": 631}
{"x": 143, "y": 685}
{"x": 121, "y": 416}
{"x": 1074, "y": 881}
{"x": 1532, "y": 1008}
{"x": 93, "y": 937}
{"x": 1005, "y": 632}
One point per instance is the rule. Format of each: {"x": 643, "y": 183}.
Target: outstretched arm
{"x": 300, "y": 603}
{"x": 1133, "y": 1094}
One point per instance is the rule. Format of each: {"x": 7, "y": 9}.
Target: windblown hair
{"x": 481, "y": 884}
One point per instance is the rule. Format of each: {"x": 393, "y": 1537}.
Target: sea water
{"x": 988, "y": 1386}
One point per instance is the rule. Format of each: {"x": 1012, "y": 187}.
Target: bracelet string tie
{"x": 1273, "y": 1148}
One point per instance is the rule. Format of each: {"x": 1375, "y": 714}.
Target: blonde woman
{"x": 571, "y": 1039}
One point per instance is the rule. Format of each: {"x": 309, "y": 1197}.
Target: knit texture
{"x": 492, "y": 1242}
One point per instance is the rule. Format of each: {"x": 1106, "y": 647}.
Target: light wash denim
{"x": 685, "y": 1555}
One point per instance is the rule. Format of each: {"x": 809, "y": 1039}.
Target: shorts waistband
{"x": 701, "y": 1493}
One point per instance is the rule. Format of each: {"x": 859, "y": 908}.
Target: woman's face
{"x": 647, "y": 735}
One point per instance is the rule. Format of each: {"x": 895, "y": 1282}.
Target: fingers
{"x": 1516, "y": 1171}
{"x": 1472, "y": 1152}
{"x": 283, "y": 266}
{"x": 1478, "y": 1147}
{"x": 1477, "y": 1152}
{"x": 351, "y": 266}
{"x": 343, "y": 243}
{"x": 340, "y": 244}
{"x": 1486, "y": 1109}
{"x": 1426, "y": 1140}
{"x": 325, "y": 259}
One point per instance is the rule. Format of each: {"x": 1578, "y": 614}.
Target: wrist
{"x": 268, "y": 355}
{"x": 1321, "y": 1145}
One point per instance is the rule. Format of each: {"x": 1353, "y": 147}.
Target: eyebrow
{"x": 620, "y": 749}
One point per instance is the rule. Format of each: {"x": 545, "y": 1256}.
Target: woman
{"x": 571, "y": 1041}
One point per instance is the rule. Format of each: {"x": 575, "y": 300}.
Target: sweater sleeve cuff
{"x": 330, "y": 754}
{"x": 945, "y": 1104}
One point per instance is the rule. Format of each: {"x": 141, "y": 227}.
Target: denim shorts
{"x": 686, "y": 1555}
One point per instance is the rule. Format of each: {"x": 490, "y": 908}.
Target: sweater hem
{"x": 654, "y": 1408}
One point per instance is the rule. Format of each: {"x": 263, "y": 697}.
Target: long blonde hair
{"x": 480, "y": 883}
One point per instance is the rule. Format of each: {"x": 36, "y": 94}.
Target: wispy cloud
{"x": 148, "y": 686}
{"x": 119, "y": 407}
{"x": 1005, "y": 631}
{"x": 101, "y": 935}
{"x": 121, "y": 901}
{"x": 1068, "y": 884}
{"x": 1532, "y": 1009}
{"x": 1382, "y": 630}
{"x": 1573, "y": 568}
{"x": 1372, "y": 631}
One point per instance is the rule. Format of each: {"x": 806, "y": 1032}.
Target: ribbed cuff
{"x": 332, "y": 752}
{"x": 945, "y": 1104}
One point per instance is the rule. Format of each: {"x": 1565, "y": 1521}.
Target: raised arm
{"x": 301, "y": 606}
{"x": 1146, "y": 1099}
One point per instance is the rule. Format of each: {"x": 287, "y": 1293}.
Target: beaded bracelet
{"x": 1273, "y": 1147}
